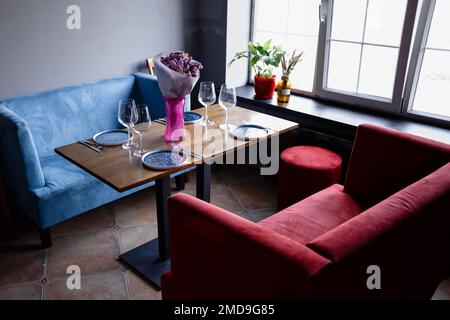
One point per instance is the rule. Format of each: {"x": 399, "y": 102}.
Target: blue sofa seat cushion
{"x": 70, "y": 190}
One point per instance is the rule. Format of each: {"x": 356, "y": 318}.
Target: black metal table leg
{"x": 181, "y": 182}
{"x": 204, "y": 182}
{"x": 151, "y": 259}
{"x": 162, "y": 193}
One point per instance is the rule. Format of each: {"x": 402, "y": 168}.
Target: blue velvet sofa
{"x": 48, "y": 188}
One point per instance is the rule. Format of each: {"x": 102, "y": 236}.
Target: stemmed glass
{"x": 227, "y": 100}
{"x": 124, "y": 116}
{"x": 207, "y": 97}
{"x": 140, "y": 123}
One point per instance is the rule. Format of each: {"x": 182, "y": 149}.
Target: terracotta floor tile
{"x": 100, "y": 286}
{"x": 190, "y": 190}
{"x": 232, "y": 174}
{"x": 191, "y": 183}
{"x": 140, "y": 289}
{"x": 137, "y": 209}
{"x": 133, "y": 237}
{"x": 30, "y": 291}
{"x": 93, "y": 252}
{"x": 96, "y": 220}
{"x": 21, "y": 264}
{"x": 255, "y": 195}
{"x": 222, "y": 196}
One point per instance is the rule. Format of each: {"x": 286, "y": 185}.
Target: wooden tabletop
{"x": 122, "y": 171}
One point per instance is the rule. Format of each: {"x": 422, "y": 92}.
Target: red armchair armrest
{"x": 218, "y": 255}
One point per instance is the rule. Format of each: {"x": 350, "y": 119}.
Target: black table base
{"x": 145, "y": 261}
{"x": 152, "y": 259}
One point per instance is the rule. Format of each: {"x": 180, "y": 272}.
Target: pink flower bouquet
{"x": 177, "y": 75}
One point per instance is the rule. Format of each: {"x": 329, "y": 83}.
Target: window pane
{"x": 378, "y": 68}
{"x": 433, "y": 90}
{"x": 277, "y": 38}
{"x": 385, "y": 22}
{"x": 348, "y": 20}
{"x": 439, "y": 36}
{"x": 343, "y": 66}
{"x": 302, "y": 19}
{"x": 303, "y": 74}
{"x": 269, "y": 17}
{"x": 293, "y": 24}
{"x": 375, "y": 27}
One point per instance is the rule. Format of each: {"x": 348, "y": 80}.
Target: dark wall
{"x": 38, "y": 52}
{"x": 205, "y": 36}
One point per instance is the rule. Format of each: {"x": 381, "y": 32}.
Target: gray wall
{"x": 38, "y": 52}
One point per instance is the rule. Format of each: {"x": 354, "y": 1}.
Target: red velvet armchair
{"x": 393, "y": 212}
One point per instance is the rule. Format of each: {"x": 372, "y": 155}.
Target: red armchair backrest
{"x": 384, "y": 161}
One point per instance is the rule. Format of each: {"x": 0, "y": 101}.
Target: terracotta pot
{"x": 264, "y": 87}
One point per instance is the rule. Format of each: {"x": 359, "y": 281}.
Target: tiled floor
{"x": 94, "y": 240}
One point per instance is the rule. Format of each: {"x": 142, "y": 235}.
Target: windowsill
{"x": 334, "y": 118}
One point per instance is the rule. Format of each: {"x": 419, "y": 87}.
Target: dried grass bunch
{"x": 288, "y": 66}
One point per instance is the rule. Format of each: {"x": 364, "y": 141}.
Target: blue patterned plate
{"x": 192, "y": 117}
{"x": 111, "y": 137}
{"x": 164, "y": 159}
{"x": 250, "y": 131}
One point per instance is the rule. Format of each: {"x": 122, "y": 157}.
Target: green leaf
{"x": 237, "y": 56}
{"x": 252, "y": 48}
{"x": 263, "y": 57}
{"x": 254, "y": 60}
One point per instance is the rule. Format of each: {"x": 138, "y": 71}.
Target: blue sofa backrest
{"x": 31, "y": 127}
{"x": 62, "y": 116}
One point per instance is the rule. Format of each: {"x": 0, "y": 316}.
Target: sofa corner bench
{"x": 46, "y": 187}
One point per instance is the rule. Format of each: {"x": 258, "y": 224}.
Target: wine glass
{"x": 207, "y": 97}
{"x": 227, "y": 100}
{"x": 124, "y": 116}
{"x": 140, "y": 123}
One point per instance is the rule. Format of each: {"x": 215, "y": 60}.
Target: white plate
{"x": 250, "y": 132}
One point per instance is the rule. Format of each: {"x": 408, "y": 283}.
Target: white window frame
{"x": 393, "y": 105}
{"x": 411, "y": 54}
{"x": 362, "y": 100}
{"x": 417, "y": 56}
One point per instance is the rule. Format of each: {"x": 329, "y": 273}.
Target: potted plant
{"x": 287, "y": 66}
{"x": 263, "y": 59}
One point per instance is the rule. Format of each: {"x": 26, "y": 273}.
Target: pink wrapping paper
{"x": 174, "y": 87}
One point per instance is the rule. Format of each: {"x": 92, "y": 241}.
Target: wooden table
{"x": 122, "y": 171}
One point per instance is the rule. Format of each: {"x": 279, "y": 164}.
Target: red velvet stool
{"x": 305, "y": 170}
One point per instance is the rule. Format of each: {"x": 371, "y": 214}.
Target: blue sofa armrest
{"x": 20, "y": 159}
{"x": 151, "y": 95}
